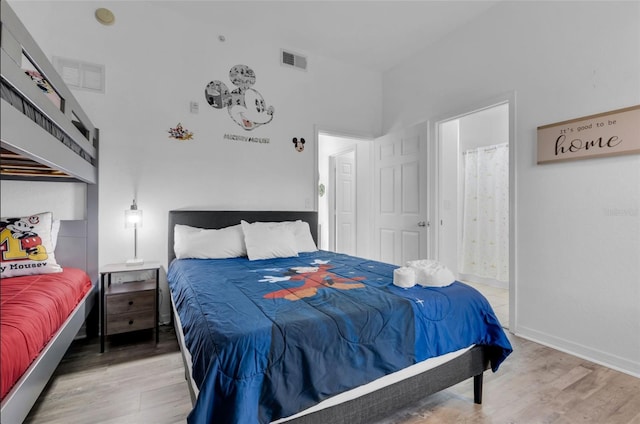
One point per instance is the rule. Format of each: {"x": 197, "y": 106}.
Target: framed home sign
{"x": 605, "y": 134}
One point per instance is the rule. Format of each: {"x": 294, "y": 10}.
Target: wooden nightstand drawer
{"x": 130, "y": 322}
{"x": 131, "y": 302}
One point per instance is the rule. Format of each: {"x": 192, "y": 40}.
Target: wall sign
{"x": 605, "y": 134}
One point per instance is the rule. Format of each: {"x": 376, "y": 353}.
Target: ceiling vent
{"x": 294, "y": 60}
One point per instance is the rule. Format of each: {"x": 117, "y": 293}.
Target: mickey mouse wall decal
{"x": 245, "y": 105}
{"x": 180, "y": 133}
{"x": 299, "y": 145}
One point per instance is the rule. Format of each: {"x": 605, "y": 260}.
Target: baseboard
{"x": 599, "y": 357}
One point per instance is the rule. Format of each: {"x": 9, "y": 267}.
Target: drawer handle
{"x": 130, "y": 322}
{"x": 130, "y": 302}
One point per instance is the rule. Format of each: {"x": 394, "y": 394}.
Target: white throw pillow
{"x": 28, "y": 248}
{"x": 202, "y": 243}
{"x": 266, "y": 241}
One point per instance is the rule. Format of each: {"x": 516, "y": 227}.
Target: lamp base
{"x": 135, "y": 262}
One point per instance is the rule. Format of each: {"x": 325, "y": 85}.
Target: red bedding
{"x": 32, "y": 309}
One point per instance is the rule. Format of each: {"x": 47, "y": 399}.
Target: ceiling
{"x": 373, "y": 34}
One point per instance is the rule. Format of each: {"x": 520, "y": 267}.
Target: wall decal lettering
{"x": 235, "y": 137}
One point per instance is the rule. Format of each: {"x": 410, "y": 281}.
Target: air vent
{"x": 294, "y": 60}
{"x": 82, "y": 75}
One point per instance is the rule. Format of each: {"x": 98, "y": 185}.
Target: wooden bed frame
{"x": 364, "y": 409}
{"x": 42, "y": 142}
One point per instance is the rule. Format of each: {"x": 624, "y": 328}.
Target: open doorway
{"x": 474, "y": 202}
{"x": 343, "y": 194}
{"x": 342, "y": 204}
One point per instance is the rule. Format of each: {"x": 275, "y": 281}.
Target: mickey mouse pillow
{"x": 26, "y": 247}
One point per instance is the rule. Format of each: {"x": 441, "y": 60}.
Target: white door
{"x": 345, "y": 202}
{"x": 401, "y": 225}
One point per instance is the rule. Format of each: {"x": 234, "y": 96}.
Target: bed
{"x": 46, "y": 136}
{"x": 259, "y": 378}
{"x": 72, "y": 255}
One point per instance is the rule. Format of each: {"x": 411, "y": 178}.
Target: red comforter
{"x": 32, "y": 309}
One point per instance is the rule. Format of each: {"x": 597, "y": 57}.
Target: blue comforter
{"x": 270, "y": 338}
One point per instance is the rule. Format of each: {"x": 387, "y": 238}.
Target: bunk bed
{"x": 213, "y": 299}
{"x": 46, "y": 136}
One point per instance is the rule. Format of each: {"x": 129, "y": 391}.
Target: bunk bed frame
{"x": 39, "y": 139}
{"x": 42, "y": 140}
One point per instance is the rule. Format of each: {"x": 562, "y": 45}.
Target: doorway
{"x": 343, "y": 197}
{"x": 474, "y": 172}
{"x": 342, "y": 204}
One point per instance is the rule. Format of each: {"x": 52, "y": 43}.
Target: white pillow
{"x": 201, "y": 243}
{"x": 265, "y": 241}
{"x": 28, "y": 246}
{"x": 304, "y": 239}
{"x": 301, "y": 232}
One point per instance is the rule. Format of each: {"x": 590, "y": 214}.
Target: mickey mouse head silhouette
{"x": 299, "y": 145}
{"x": 245, "y": 105}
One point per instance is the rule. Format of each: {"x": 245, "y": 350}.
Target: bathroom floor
{"x": 498, "y": 299}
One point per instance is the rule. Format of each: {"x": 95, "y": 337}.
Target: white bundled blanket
{"x": 430, "y": 273}
{"x": 404, "y": 277}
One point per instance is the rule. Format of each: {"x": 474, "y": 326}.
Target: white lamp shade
{"x": 132, "y": 218}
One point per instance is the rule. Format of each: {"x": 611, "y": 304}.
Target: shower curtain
{"x": 485, "y": 211}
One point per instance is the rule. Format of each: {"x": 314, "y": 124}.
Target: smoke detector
{"x": 105, "y": 16}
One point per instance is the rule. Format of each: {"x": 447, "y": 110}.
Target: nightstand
{"x": 127, "y": 305}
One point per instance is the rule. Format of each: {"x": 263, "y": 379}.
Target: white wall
{"x": 64, "y": 199}
{"x": 577, "y": 262}
{"x": 484, "y": 128}
{"x": 156, "y": 63}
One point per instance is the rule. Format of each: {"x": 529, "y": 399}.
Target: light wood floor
{"x": 137, "y": 382}
{"x": 133, "y": 382}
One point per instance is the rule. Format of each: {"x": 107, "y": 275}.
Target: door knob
{"x": 422, "y": 224}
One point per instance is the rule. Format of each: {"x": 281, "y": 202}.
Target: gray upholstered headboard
{"x": 221, "y": 219}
